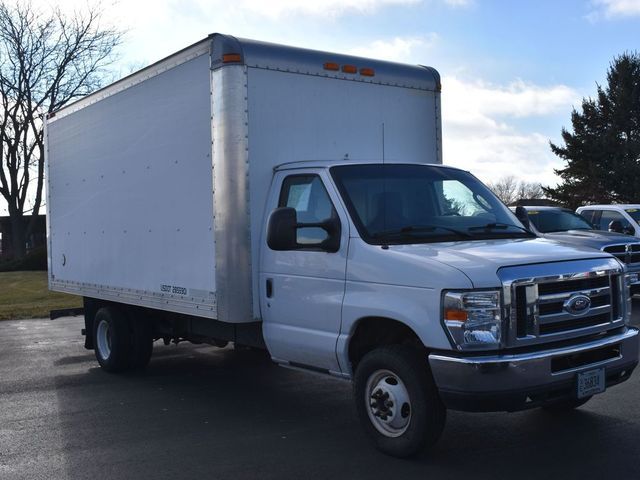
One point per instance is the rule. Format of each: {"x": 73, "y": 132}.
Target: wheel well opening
{"x": 375, "y": 332}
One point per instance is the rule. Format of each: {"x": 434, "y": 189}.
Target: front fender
{"x": 417, "y": 308}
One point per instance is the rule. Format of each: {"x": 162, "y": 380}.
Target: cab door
{"x": 301, "y": 290}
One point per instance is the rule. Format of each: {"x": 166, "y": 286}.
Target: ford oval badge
{"x": 577, "y": 304}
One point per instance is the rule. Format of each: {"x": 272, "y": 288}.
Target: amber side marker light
{"x": 349, "y": 69}
{"x": 367, "y": 72}
{"x": 456, "y": 315}
{"x": 231, "y": 57}
{"x": 334, "y": 67}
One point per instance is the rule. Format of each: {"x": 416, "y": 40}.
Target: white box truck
{"x": 294, "y": 200}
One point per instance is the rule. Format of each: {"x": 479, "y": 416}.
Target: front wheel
{"x": 397, "y": 400}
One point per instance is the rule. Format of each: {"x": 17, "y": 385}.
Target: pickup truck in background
{"x": 619, "y": 218}
{"x": 564, "y": 225}
{"x": 294, "y": 200}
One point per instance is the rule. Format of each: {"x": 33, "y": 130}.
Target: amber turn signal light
{"x": 456, "y": 315}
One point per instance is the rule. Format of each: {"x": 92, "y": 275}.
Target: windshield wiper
{"x": 409, "y": 229}
{"x": 499, "y": 226}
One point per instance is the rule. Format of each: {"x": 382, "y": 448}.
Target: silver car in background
{"x": 564, "y": 225}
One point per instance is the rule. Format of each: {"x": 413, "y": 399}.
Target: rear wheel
{"x": 397, "y": 400}
{"x": 142, "y": 346}
{"x": 112, "y": 339}
{"x": 119, "y": 343}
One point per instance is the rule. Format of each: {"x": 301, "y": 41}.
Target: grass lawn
{"x": 25, "y": 295}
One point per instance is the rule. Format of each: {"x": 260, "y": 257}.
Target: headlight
{"x": 473, "y": 318}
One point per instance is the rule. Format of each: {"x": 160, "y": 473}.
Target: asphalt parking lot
{"x": 202, "y": 412}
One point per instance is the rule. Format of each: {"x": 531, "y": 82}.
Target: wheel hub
{"x": 103, "y": 337}
{"x": 388, "y": 402}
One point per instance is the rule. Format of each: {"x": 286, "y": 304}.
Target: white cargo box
{"x": 157, "y": 183}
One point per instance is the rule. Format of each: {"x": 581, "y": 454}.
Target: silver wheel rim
{"x": 103, "y": 337}
{"x": 388, "y": 404}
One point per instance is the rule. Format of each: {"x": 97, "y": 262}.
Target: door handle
{"x": 269, "y": 287}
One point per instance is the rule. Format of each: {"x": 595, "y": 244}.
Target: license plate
{"x": 591, "y": 382}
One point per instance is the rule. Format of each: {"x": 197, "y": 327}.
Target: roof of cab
{"x": 611, "y": 205}
{"x": 343, "y": 162}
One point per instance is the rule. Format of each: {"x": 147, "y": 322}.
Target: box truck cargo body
{"x": 294, "y": 200}
{"x": 157, "y": 184}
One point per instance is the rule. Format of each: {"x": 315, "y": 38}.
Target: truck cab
{"x": 362, "y": 259}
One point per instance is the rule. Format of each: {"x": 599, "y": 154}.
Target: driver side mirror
{"x": 521, "y": 214}
{"x": 282, "y": 232}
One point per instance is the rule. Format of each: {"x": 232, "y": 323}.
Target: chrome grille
{"x": 626, "y": 252}
{"x": 544, "y": 307}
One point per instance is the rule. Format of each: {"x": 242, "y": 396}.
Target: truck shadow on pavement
{"x": 197, "y": 411}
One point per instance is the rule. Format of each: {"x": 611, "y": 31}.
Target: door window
{"x": 609, "y": 216}
{"x": 307, "y": 195}
{"x": 588, "y": 215}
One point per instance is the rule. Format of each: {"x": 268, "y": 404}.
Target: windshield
{"x": 634, "y": 213}
{"x": 547, "y": 221}
{"x": 393, "y": 203}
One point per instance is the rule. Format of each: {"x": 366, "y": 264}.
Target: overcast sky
{"x": 511, "y": 70}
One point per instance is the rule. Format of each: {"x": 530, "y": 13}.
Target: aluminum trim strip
{"x": 558, "y": 297}
{"x": 190, "y": 305}
{"x": 553, "y": 318}
{"x": 232, "y": 218}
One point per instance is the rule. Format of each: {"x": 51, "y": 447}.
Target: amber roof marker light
{"x": 367, "y": 72}
{"x": 334, "y": 67}
{"x": 231, "y": 57}
{"x": 349, "y": 69}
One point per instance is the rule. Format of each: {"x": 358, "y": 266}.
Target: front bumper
{"x": 510, "y": 382}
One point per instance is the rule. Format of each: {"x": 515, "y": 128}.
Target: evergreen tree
{"x": 602, "y": 153}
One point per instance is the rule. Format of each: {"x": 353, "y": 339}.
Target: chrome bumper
{"x": 518, "y": 381}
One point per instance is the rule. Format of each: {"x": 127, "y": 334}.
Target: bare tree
{"x": 509, "y": 189}
{"x": 505, "y": 189}
{"x": 46, "y": 61}
{"x": 530, "y": 190}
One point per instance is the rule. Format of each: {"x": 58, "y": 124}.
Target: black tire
{"x": 566, "y": 405}
{"x": 142, "y": 343}
{"x": 112, "y": 339}
{"x": 427, "y": 414}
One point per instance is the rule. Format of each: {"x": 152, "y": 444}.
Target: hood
{"x": 591, "y": 238}
{"x": 480, "y": 260}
